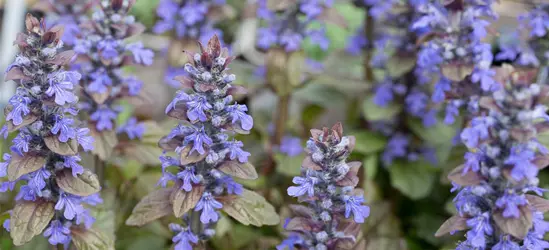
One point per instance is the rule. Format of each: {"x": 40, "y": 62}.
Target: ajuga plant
{"x": 284, "y": 28}
{"x": 102, "y": 56}
{"x": 334, "y": 207}
{"x": 188, "y": 21}
{"x": 208, "y": 156}
{"x": 69, "y": 13}
{"x": 499, "y": 203}
{"x": 453, "y": 53}
{"x": 44, "y": 160}
{"x": 388, "y": 44}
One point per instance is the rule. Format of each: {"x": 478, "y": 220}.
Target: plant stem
{"x": 368, "y": 71}
{"x": 99, "y": 170}
{"x": 368, "y": 51}
{"x": 281, "y": 118}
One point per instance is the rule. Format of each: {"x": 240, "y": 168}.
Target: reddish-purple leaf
{"x": 300, "y": 224}
{"x": 517, "y": 227}
{"x": 16, "y": 73}
{"x": 62, "y": 58}
{"x": 541, "y": 161}
{"x": 21, "y": 165}
{"x": 184, "y": 201}
{"x": 193, "y": 157}
{"x": 240, "y": 170}
{"x": 454, "y": 223}
{"x": 467, "y": 179}
{"x": 539, "y": 203}
{"x": 333, "y": 16}
{"x": 309, "y": 163}
{"x": 302, "y": 211}
{"x": 351, "y": 178}
{"x": 153, "y": 206}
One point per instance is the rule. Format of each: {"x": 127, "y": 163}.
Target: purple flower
{"x": 383, "y": 94}
{"x": 478, "y": 131}
{"x": 181, "y": 96}
{"x": 306, "y": 185}
{"x": 396, "y": 147}
{"x": 8, "y": 185}
{"x": 64, "y": 127}
{"x": 26, "y": 193}
{"x": 311, "y": 8}
{"x": 535, "y": 241}
{"x": 187, "y": 176}
{"x": 104, "y": 118}
{"x": 21, "y": 143}
{"x": 93, "y": 199}
{"x": 100, "y": 81}
{"x": 521, "y": 158}
{"x": 208, "y": 204}
{"x": 134, "y": 85}
{"x": 20, "y": 109}
{"x": 196, "y": 107}
{"x": 140, "y": 54}
{"x": 61, "y": 85}
{"x": 193, "y": 12}
{"x": 235, "y": 151}
{"x": 319, "y": 37}
{"x": 37, "y": 180}
{"x": 238, "y": 113}
{"x": 70, "y": 204}
{"x": 266, "y": 38}
{"x": 6, "y": 225}
{"x": 85, "y": 139}
{"x": 4, "y": 165}
{"x": 171, "y": 73}
{"x": 108, "y": 48}
{"x": 72, "y": 163}
{"x": 291, "y": 146}
{"x": 232, "y": 186}
{"x": 184, "y": 238}
{"x": 85, "y": 218}
{"x": 511, "y": 202}
{"x": 290, "y": 242}
{"x": 58, "y": 233}
{"x": 486, "y": 79}
{"x": 133, "y": 129}
{"x": 472, "y": 162}
{"x": 291, "y": 41}
{"x": 198, "y": 139}
{"x": 506, "y": 244}
{"x": 480, "y": 226}
{"x": 353, "y": 204}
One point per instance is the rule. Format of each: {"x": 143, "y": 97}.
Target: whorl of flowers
{"x": 327, "y": 185}
{"x": 208, "y": 156}
{"x": 534, "y": 51}
{"x": 102, "y": 54}
{"x": 44, "y": 156}
{"x": 453, "y": 54}
{"x": 499, "y": 203}
{"x": 69, "y": 13}
{"x": 187, "y": 18}
{"x": 288, "y": 23}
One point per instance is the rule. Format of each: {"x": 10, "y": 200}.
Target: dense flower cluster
{"x": 102, "y": 54}
{"x": 44, "y": 156}
{"x": 499, "y": 201}
{"x": 206, "y": 151}
{"x": 393, "y": 46}
{"x": 288, "y": 24}
{"x": 327, "y": 184}
{"x": 187, "y": 18}
{"x": 68, "y": 13}
{"x": 453, "y": 52}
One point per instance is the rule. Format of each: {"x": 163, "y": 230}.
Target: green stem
{"x": 281, "y": 118}
{"x": 99, "y": 170}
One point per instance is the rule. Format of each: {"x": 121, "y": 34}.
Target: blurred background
{"x": 409, "y": 199}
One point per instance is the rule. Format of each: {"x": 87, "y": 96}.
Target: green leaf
{"x": 400, "y": 65}
{"x": 223, "y": 226}
{"x": 369, "y": 142}
{"x": 294, "y": 68}
{"x": 21, "y": 165}
{"x": 153, "y": 206}
{"x": 104, "y": 142}
{"x": 310, "y": 115}
{"x": 287, "y": 165}
{"x": 373, "y": 112}
{"x": 84, "y": 184}
{"x": 250, "y": 208}
{"x": 37, "y": 243}
{"x": 148, "y": 242}
{"x": 413, "y": 179}
{"x": 91, "y": 239}
{"x": 29, "y": 219}
{"x": 370, "y": 165}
